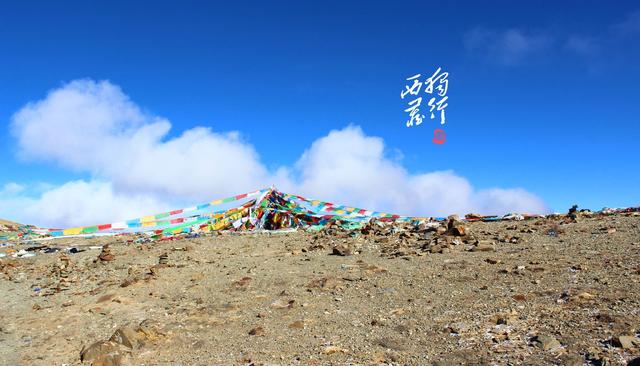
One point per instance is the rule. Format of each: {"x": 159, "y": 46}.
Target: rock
{"x": 128, "y": 282}
{"x": 546, "y": 342}
{"x": 105, "y": 254}
{"x": 150, "y": 329}
{"x": 389, "y": 343}
{"x": 326, "y": 283}
{"x": 484, "y": 246}
{"x": 626, "y": 341}
{"x": 96, "y": 350}
{"x": 62, "y": 270}
{"x": 153, "y": 270}
{"x": 606, "y": 318}
{"x": 458, "y": 327}
{"x": 634, "y": 362}
{"x": 333, "y": 349}
{"x": 257, "y": 331}
{"x": 341, "y": 250}
{"x": 105, "y": 298}
{"x": 458, "y": 230}
{"x": 435, "y": 249}
{"x": 299, "y": 324}
{"x": 507, "y": 318}
{"x": 106, "y": 353}
{"x": 456, "y": 242}
{"x": 186, "y": 248}
{"x": 279, "y": 304}
{"x": 603, "y": 361}
{"x": 519, "y": 297}
{"x": 585, "y": 296}
{"x": 128, "y": 337}
{"x": 241, "y": 283}
{"x": 110, "y": 360}
{"x": 573, "y": 360}
{"x": 163, "y": 259}
{"x": 453, "y": 218}
{"x": 64, "y": 261}
{"x": 455, "y": 226}
{"x": 400, "y": 253}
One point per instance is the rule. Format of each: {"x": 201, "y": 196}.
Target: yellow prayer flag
{"x": 72, "y": 231}
{"x": 147, "y": 219}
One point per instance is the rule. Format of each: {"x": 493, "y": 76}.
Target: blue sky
{"x": 542, "y": 97}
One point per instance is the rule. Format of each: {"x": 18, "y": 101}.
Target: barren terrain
{"x": 533, "y": 292}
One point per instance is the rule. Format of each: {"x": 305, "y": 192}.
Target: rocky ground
{"x": 535, "y": 292}
{"x": 8, "y": 226}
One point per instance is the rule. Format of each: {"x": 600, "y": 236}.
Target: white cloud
{"x": 77, "y": 203}
{"x": 13, "y": 202}
{"x": 348, "y": 166}
{"x": 84, "y": 203}
{"x": 93, "y": 127}
{"x": 500, "y": 201}
{"x": 506, "y": 46}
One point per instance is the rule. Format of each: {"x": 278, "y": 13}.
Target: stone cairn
{"x": 62, "y": 270}
{"x": 105, "y": 254}
{"x": 163, "y": 260}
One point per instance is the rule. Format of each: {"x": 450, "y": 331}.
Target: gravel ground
{"x": 535, "y": 292}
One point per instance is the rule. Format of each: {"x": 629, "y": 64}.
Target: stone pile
{"x": 118, "y": 350}
{"x": 62, "y": 271}
{"x": 403, "y": 239}
{"x": 106, "y": 255}
{"x": 432, "y": 237}
{"x": 163, "y": 260}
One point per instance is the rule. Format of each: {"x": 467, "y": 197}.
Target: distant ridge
{"x": 8, "y": 226}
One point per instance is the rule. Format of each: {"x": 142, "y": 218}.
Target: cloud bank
{"x": 92, "y": 127}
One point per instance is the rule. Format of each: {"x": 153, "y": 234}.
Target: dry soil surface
{"x": 533, "y": 292}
